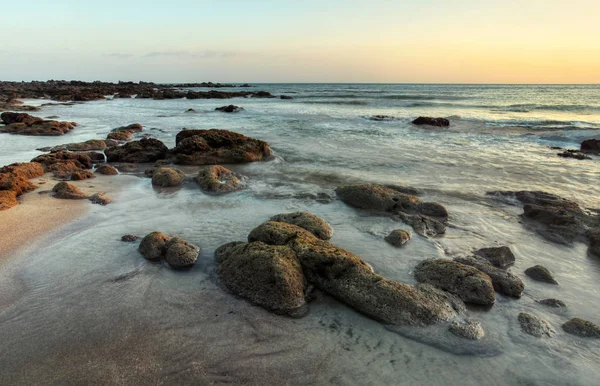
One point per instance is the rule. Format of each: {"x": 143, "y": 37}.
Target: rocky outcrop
{"x": 178, "y": 253}
{"x": 534, "y": 326}
{"x": 314, "y": 224}
{"x": 217, "y": 179}
{"x": 541, "y": 273}
{"x": 67, "y": 191}
{"x": 591, "y": 146}
{"x": 347, "y": 277}
{"x": 167, "y": 177}
{"x": 398, "y": 237}
{"x": 582, "y": 328}
{"x": 464, "y": 281}
{"x": 144, "y": 150}
{"x": 230, "y": 109}
{"x": 15, "y": 177}
{"x": 92, "y": 144}
{"x": 9, "y": 118}
{"x": 213, "y": 147}
{"x": 504, "y": 282}
{"x": 469, "y": 329}
{"x": 8, "y": 199}
{"x": 25, "y": 124}
{"x": 426, "y": 218}
{"x": 439, "y": 122}
{"x": 106, "y": 170}
{"x": 64, "y": 163}
{"x": 501, "y": 257}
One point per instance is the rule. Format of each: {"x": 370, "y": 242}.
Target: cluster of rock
{"x": 12, "y": 104}
{"x": 25, "y": 124}
{"x": 178, "y": 253}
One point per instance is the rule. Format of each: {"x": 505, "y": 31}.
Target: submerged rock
{"x": 582, "y": 328}
{"x": 132, "y": 128}
{"x": 576, "y": 154}
{"x": 314, "y": 224}
{"x": 501, "y": 257}
{"x": 144, "y": 150}
{"x": 180, "y": 254}
{"x": 398, "y": 237}
{"x": 217, "y": 179}
{"x": 65, "y": 190}
{"x": 212, "y": 147}
{"x": 167, "y": 177}
{"x": 230, "y": 109}
{"x": 464, "y": 281}
{"x": 503, "y": 281}
{"x": 534, "y": 326}
{"x": 555, "y": 303}
{"x": 440, "y": 122}
{"x": 100, "y": 199}
{"x": 382, "y": 118}
{"x": 541, "y": 273}
{"x": 469, "y": 329}
{"x": 129, "y": 238}
{"x": 107, "y": 170}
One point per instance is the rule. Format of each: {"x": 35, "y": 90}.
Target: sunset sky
{"x": 460, "y": 41}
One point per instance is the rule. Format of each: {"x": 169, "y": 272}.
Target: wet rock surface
{"x": 501, "y": 257}
{"x": 8, "y": 199}
{"x": 398, "y": 237}
{"x": 504, "y": 282}
{"x": 178, "y": 253}
{"x": 582, "y": 328}
{"x": 218, "y": 179}
{"x": 314, "y": 224}
{"x": 469, "y": 329}
{"x": 554, "y": 303}
{"x": 541, "y": 274}
{"x": 575, "y": 154}
{"x": 229, "y": 109}
{"x": 100, "y": 199}
{"x": 535, "y": 326}
{"x": 142, "y": 151}
{"x": 590, "y": 145}
{"x": 167, "y": 177}
{"x": 439, "y": 122}
{"x": 25, "y": 124}
{"x": 64, "y": 190}
{"x": 106, "y": 170}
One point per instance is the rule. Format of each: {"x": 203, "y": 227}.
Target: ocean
{"x": 91, "y": 305}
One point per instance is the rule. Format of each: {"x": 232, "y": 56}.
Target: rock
{"x": 120, "y": 136}
{"x": 212, "y": 147}
{"x": 144, "y": 150}
{"x": 127, "y": 168}
{"x": 534, "y": 326}
{"x": 167, "y": 177}
{"x": 8, "y": 199}
{"x": 594, "y": 238}
{"x": 314, "y": 224}
{"x": 15, "y": 177}
{"x": 503, "y": 281}
{"x": 81, "y": 160}
{"x": 576, "y": 154}
{"x": 65, "y": 190}
{"x": 267, "y": 275}
{"x": 464, "y": 281}
{"x": 470, "y": 329}
{"x": 582, "y": 328}
{"x": 286, "y": 97}
{"x": 540, "y": 273}
{"x": 398, "y": 237}
{"x": 262, "y": 94}
{"x": 501, "y": 257}
{"x": 351, "y": 280}
{"x": 181, "y": 254}
{"x": 591, "y": 146}
{"x": 230, "y": 109}
{"x": 383, "y": 118}
{"x": 218, "y": 179}
{"x": 39, "y": 128}
{"x": 92, "y": 144}
{"x": 82, "y": 175}
{"x": 129, "y": 238}
{"x": 106, "y": 170}
{"x": 153, "y": 246}
{"x": 423, "y": 225}
{"x": 440, "y": 122}
{"x": 100, "y": 199}
{"x": 190, "y": 111}
{"x": 555, "y": 303}
{"x": 111, "y": 143}
{"x": 223, "y": 251}
{"x": 9, "y": 118}
{"x": 133, "y": 128}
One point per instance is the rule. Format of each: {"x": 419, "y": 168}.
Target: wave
{"x": 424, "y": 97}
{"x": 350, "y": 103}
{"x": 525, "y": 108}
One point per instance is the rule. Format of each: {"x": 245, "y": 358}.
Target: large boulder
{"x": 464, "y": 281}
{"x": 9, "y": 118}
{"x": 180, "y": 254}
{"x": 439, "y": 122}
{"x": 212, "y": 147}
{"x": 534, "y": 326}
{"x": 504, "y": 282}
{"x": 582, "y": 328}
{"x": 314, "y": 224}
{"x": 591, "y": 146}
{"x": 267, "y": 275}
{"x": 167, "y": 177}
{"x": 144, "y": 150}
{"x": 501, "y": 257}
{"x": 218, "y": 179}
{"x": 153, "y": 246}
{"x": 65, "y": 190}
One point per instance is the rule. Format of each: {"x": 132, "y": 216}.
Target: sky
{"x": 345, "y": 41}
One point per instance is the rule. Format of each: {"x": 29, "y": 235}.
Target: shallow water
{"x": 90, "y": 307}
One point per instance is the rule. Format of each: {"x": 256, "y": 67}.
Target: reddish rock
{"x": 65, "y": 190}
{"x": 8, "y": 199}
{"x": 145, "y": 150}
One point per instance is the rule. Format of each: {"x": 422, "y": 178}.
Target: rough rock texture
{"x": 133, "y": 128}
{"x": 591, "y": 145}
{"x": 129, "y": 238}
{"x": 576, "y": 154}
{"x": 501, "y": 257}
{"x": 534, "y": 326}
{"x": 469, "y": 329}
{"x": 217, "y": 179}
{"x": 267, "y": 275}
{"x": 92, "y": 144}
{"x": 426, "y": 218}
{"x": 314, "y": 224}
{"x": 180, "y": 254}
{"x": 503, "y": 281}
{"x": 8, "y": 199}
{"x": 440, "y": 122}
{"x": 229, "y": 109}
{"x": 212, "y": 147}
{"x": 47, "y": 160}
{"x": 582, "y": 328}
{"x": 382, "y": 118}
{"x": 167, "y": 177}
{"x": 9, "y": 118}
{"x": 15, "y": 177}
{"x": 120, "y": 136}
{"x": 540, "y": 273}
{"x": 82, "y": 175}
{"x": 464, "y": 281}
{"x": 107, "y": 170}
{"x": 351, "y": 280}
{"x": 100, "y": 199}
{"x": 398, "y": 237}
{"x": 555, "y": 303}
{"x": 594, "y": 239}
{"x": 65, "y": 190}
{"x": 144, "y": 150}
{"x": 153, "y": 246}
{"x": 25, "y": 124}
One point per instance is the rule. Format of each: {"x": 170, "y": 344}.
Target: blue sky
{"x": 510, "y": 41}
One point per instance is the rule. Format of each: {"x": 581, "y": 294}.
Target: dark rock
{"x": 503, "y": 281}
{"x": 190, "y": 111}
{"x": 466, "y": 282}
{"x": 383, "y": 118}
{"x": 540, "y": 273}
{"x": 582, "y": 328}
{"x": 100, "y": 199}
{"x": 594, "y": 238}
{"x": 440, "y": 122}
{"x": 120, "y": 136}
{"x": 129, "y": 238}
{"x": 9, "y": 118}
{"x": 167, "y": 177}
{"x": 65, "y": 190}
{"x": 144, "y": 150}
{"x": 217, "y": 179}
{"x": 423, "y": 225}
{"x": 181, "y": 254}
{"x": 555, "y": 303}
{"x": 470, "y": 329}
{"x": 262, "y": 94}
{"x": 398, "y": 237}
{"x": 314, "y": 224}
{"x": 591, "y": 146}
{"x": 286, "y": 97}
{"x": 534, "y": 326}
{"x": 153, "y": 246}
{"x": 576, "y": 154}
{"x": 230, "y": 109}
{"x": 132, "y": 128}
{"x": 107, "y": 170}
{"x": 501, "y": 257}
{"x": 92, "y": 144}
{"x": 39, "y": 128}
